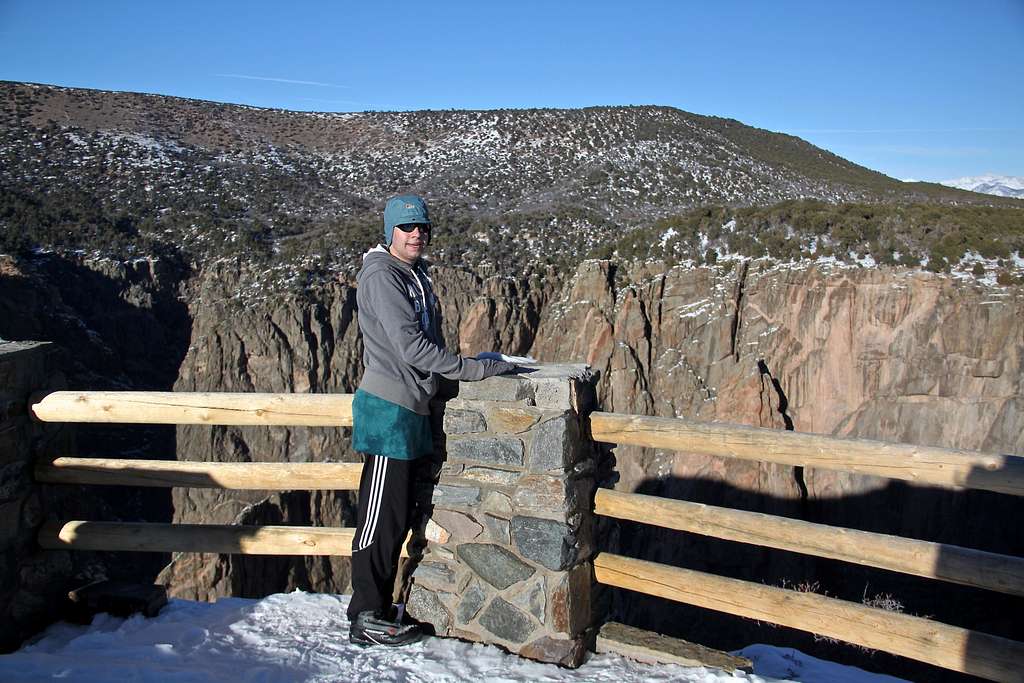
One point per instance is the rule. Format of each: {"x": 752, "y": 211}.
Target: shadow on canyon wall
{"x": 119, "y": 326}
{"x": 973, "y": 519}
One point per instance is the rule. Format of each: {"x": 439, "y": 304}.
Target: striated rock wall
{"x": 902, "y": 356}
{"x": 304, "y": 341}
{"x": 115, "y": 326}
{"x": 897, "y": 355}
{"x": 879, "y": 353}
{"x": 875, "y": 353}
{"x": 284, "y": 344}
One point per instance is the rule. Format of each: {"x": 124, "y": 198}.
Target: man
{"x": 403, "y": 355}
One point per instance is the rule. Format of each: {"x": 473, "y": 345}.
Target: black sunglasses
{"x": 409, "y": 227}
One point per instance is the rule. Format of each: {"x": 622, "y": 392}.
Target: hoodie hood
{"x": 380, "y": 253}
{"x": 420, "y": 288}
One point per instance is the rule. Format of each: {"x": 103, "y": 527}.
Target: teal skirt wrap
{"x": 387, "y": 429}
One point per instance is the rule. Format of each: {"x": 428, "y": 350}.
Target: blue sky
{"x": 929, "y": 90}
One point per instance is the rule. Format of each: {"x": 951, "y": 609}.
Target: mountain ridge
{"x": 990, "y": 183}
{"x": 108, "y": 170}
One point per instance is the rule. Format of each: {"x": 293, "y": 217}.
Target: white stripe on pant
{"x": 380, "y": 470}
{"x": 382, "y": 522}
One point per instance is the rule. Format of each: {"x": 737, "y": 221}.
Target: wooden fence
{"x": 951, "y": 647}
{"x": 947, "y": 646}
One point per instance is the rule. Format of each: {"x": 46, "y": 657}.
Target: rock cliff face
{"x": 298, "y": 343}
{"x": 281, "y": 345}
{"x": 902, "y": 356}
{"x": 877, "y": 353}
{"x": 894, "y": 355}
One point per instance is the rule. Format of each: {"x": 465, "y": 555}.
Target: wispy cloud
{"x": 906, "y": 130}
{"x": 361, "y": 104}
{"x": 919, "y": 151}
{"x": 293, "y": 81}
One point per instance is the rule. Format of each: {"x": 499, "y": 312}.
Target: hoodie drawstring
{"x": 425, "y": 312}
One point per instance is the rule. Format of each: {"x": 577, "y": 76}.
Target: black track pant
{"x": 382, "y": 522}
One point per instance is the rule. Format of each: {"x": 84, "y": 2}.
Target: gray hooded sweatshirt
{"x": 403, "y": 352}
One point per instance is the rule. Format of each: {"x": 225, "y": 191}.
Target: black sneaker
{"x": 370, "y": 628}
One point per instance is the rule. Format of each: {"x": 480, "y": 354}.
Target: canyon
{"x": 883, "y": 353}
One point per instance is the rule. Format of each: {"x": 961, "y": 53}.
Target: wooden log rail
{"x": 174, "y": 407}
{"x": 951, "y": 563}
{"x": 947, "y": 646}
{"x": 919, "y": 464}
{"x": 198, "y": 538}
{"x": 942, "y": 467}
{"x": 267, "y": 476}
{"x": 951, "y": 647}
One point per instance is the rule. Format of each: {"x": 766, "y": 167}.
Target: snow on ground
{"x": 287, "y": 638}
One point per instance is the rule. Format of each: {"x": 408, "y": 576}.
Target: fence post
{"x": 33, "y": 584}
{"x": 510, "y": 530}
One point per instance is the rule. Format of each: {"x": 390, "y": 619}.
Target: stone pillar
{"x": 33, "y": 583}
{"x": 510, "y": 530}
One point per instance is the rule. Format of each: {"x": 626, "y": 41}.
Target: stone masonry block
{"x": 538, "y": 492}
{"x": 508, "y": 623}
{"x": 568, "y": 653}
{"x": 452, "y": 469}
{"x": 459, "y": 526}
{"x": 497, "y": 451}
{"x": 492, "y": 476}
{"x": 434, "y": 575}
{"x": 494, "y": 564}
{"x": 425, "y": 605}
{"x": 473, "y": 599}
{"x": 547, "y": 496}
{"x": 499, "y": 388}
{"x": 511, "y": 420}
{"x": 531, "y": 598}
{"x": 555, "y": 443}
{"x": 498, "y": 504}
{"x": 455, "y": 495}
{"x": 552, "y": 393}
{"x": 499, "y": 530}
{"x": 463, "y": 421}
{"x": 570, "y": 601}
{"x": 545, "y": 541}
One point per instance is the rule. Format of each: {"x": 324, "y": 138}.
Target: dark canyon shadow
{"x": 118, "y": 326}
{"x": 968, "y": 518}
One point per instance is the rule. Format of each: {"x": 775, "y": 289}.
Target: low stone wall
{"x": 510, "y": 533}
{"x": 33, "y": 583}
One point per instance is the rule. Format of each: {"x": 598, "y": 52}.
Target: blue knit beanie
{"x": 403, "y": 210}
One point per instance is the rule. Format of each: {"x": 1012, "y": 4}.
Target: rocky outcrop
{"x": 276, "y": 343}
{"x": 884, "y": 354}
{"x": 878, "y": 353}
{"x": 901, "y": 356}
{"x": 896, "y": 355}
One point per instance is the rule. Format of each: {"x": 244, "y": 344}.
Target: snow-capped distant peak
{"x": 1001, "y": 185}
